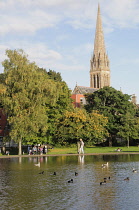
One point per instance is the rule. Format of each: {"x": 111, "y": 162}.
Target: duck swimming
{"x": 70, "y": 181}
{"x": 104, "y": 165}
{"x": 134, "y": 170}
{"x": 101, "y": 183}
{"x": 41, "y": 172}
{"x": 106, "y": 178}
{"x": 37, "y": 164}
{"x": 126, "y": 179}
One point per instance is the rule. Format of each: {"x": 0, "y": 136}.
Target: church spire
{"x": 99, "y": 64}
{"x": 99, "y": 44}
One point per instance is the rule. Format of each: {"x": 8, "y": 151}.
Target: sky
{"x": 59, "y": 35}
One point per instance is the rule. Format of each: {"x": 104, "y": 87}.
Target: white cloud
{"x": 124, "y": 13}
{"x": 45, "y": 57}
{"x": 20, "y": 16}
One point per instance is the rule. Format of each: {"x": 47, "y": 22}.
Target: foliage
{"x": 2, "y": 78}
{"x": 33, "y": 98}
{"x": 28, "y": 91}
{"x": 63, "y": 102}
{"x": 76, "y": 124}
{"x": 55, "y": 111}
{"x": 56, "y": 76}
{"x": 95, "y": 128}
{"x": 115, "y": 105}
{"x": 129, "y": 128}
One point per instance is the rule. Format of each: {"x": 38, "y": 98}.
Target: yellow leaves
{"x": 2, "y": 89}
{"x": 77, "y": 115}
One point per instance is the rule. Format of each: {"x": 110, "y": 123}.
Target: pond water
{"x": 22, "y": 187}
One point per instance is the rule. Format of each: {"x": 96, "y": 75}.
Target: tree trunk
{"x": 110, "y": 142}
{"x": 128, "y": 142}
{"x": 20, "y": 147}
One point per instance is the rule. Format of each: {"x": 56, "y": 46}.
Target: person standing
{"x": 81, "y": 147}
{"x": 78, "y": 146}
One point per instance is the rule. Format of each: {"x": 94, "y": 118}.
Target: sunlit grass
{"x": 90, "y": 150}
{"x": 87, "y": 150}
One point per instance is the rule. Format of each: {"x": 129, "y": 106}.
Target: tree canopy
{"x": 76, "y": 123}
{"x": 115, "y": 106}
{"x": 28, "y": 96}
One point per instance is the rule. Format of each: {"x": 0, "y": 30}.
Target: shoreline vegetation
{"x": 88, "y": 151}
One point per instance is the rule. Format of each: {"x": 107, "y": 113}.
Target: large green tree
{"x": 62, "y": 103}
{"x": 76, "y": 123}
{"x": 114, "y": 105}
{"x": 27, "y": 93}
{"x": 129, "y": 129}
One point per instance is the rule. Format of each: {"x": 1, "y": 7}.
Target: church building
{"x": 99, "y": 67}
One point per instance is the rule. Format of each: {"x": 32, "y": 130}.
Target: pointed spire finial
{"x": 98, "y": 7}
{"x": 99, "y": 45}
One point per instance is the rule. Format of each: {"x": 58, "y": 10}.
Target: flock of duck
{"x": 42, "y": 172}
{"x": 69, "y": 181}
{"x": 104, "y": 165}
{"x": 108, "y": 178}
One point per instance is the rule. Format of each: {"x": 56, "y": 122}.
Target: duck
{"x": 106, "y": 178}
{"x": 37, "y": 164}
{"x": 70, "y": 181}
{"x": 126, "y": 179}
{"x": 105, "y": 164}
{"x": 41, "y": 172}
{"x": 101, "y": 183}
{"x": 134, "y": 170}
{"x": 76, "y": 174}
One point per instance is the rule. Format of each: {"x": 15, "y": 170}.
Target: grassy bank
{"x": 87, "y": 150}
{"x": 73, "y": 150}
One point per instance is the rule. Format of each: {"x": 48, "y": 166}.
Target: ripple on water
{"x": 22, "y": 187}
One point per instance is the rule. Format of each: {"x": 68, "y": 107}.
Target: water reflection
{"x": 81, "y": 159}
{"x": 23, "y": 186}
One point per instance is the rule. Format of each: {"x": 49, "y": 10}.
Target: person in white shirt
{"x": 81, "y": 147}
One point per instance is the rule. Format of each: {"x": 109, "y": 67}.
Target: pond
{"x": 24, "y": 185}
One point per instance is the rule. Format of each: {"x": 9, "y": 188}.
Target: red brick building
{"x": 78, "y": 95}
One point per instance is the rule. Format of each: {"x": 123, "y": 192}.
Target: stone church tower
{"x": 99, "y": 63}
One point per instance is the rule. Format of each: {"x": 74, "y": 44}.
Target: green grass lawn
{"x": 89, "y": 150}
{"x": 73, "y": 150}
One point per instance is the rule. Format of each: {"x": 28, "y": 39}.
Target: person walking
{"x": 78, "y": 146}
{"x": 81, "y": 147}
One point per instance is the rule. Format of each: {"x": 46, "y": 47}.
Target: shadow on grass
{"x": 130, "y": 151}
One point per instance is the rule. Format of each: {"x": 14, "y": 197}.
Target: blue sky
{"x": 59, "y": 35}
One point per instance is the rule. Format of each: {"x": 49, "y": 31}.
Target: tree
{"x": 95, "y": 131}
{"x": 114, "y": 105}
{"x": 62, "y": 103}
{"x": 56, "y": 76}
{"x": 2, "y": 78}
{"x": 56, "y": 111}
{"x": 76, "y": 124}
{"x": 70, "y": 126}
{"x": 27, "y": 93}
{"x": 129, "y": 128}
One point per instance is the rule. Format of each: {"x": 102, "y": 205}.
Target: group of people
{"x": 37, "y": 150}
{"x": 80, "y": 146}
